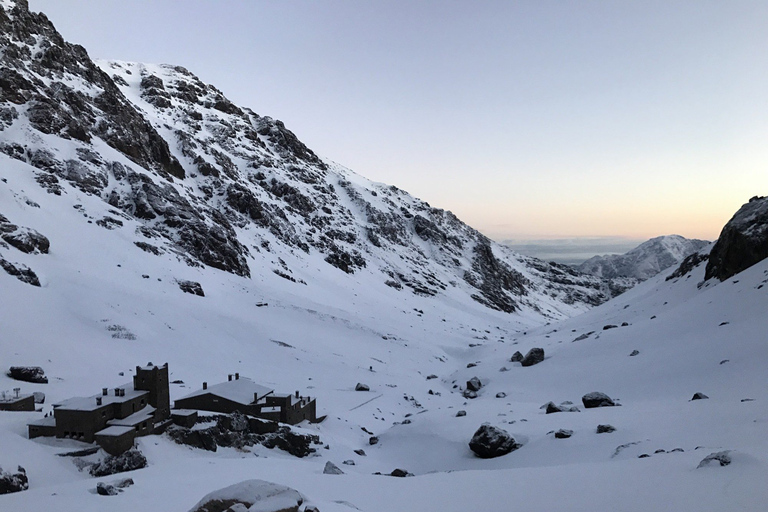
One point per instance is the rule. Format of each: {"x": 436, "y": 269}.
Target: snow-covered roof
{"x": 9, "y": 398}
{"x": 79, "y": 403}
{"x": 238, "y": 390}
{"x": 183, "y": 412}
{"x": 49, "y": 421}
{"x": 114, "y": 431}
{"x": 134, "y": 419}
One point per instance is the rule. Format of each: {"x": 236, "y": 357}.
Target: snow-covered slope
{"x": 645, "y": 260}
{"x": 215, "y": 184}
{"x": 108, "y": 266}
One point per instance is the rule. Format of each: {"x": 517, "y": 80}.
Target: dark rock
{"x": 105, "y": 489}
{"x": 128, "y": 461}
{"x": 13, "y": 482}
{"x": 699, "y": 396}
{"x": 717, "y": 458}
{"x": 430, "y": 377}
{"x": 534, "y": 356}
{"x": 611, "y": 326}
{"x": 517, "y": 357}
{"x": 459, "y": 414}
{"x": 501, "y": 394}
{"x": 191, "y": 287}
{"x": 201, "y": 439}
{"x": 471, "y": 365}
{"x": 468, "y": 393}
{"x": 643, "y": 456}
{"x": 33, "y": 374}
{"x": 563, "y": 407}
{"x": 605, "y": 429}
{"x": 401, "y": 473}
{"x": 360, "y": 452}
{"x": 373, "y": 440}
{"x": 597, "y": 399}
{"x": 489, "y": 441}
{"x": 563, "y": 433}
{"x": 362, "y": 387}
{"x": 742, "y": 242}
{"x": 24, "y": 239}
{"x": 625, "y": 324}
{"x": 21, "y": 272}
{"x": 634, "y": 353}
{"x": 332, "y": 469}
{"x": 689, "y": 263}
{"x": 349, "y": 462}
{"x": 474, "y": 384}
{"x": 496, "y": 281}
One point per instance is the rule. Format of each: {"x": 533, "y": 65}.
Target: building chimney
{"x": 255, "y": 397}
{"x": 104, "y": 391}
{"x": 237, "y": 376}
{"x": 205, "y": 385}
{"x": 98, "y": 400}
{"x": 229, "y": 377}
{"x": 150, "y": 364}
{"x": 297, "y": 394}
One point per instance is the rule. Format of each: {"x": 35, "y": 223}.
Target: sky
{"x": 527, "y": 119}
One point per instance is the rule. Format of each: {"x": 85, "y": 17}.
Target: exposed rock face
{"x": 237, "y": 430}
{"x": 192, "y": 287}
{"x": 689, "y": 263}
{"x": 742, "y": 242}
{"x": 474, "y": 384}
{"x": 33, "y": 374}
{"x": 24, "y": 239}
{"x": 241, "y": 189}
{"x": 563, "y": 433}
{"x": 251, "y": 495}
{"x": 128, "y": 461}
{"x": 13, "y": 482}
{"x": 490, "y": 441}
{"x": 517, "y": 357}
{"x": 597, "y": 399}
{"x": 605, "y": 429}
{"x": 20, "y": 271}
{"x": 534, "y": 356}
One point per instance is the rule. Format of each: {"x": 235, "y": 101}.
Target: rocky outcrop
{"x": 127, "y": 461}
{"x": 20, "y": 271}
{"x": 534, "y": 356}
{"x": 716, "y": 459}
{"x": 33, "y": 374}
{"x": 13, "y": 482}
{"x": 489, "y": 441}
{"x": 742, "y": 242}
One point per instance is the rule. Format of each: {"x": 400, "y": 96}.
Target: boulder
{"x": 459, "y": 414}
{"x": 362, "y": 387}
{"x": 501, "y": 394}
{"x": 634, "y": 353}
{"x": 192, "y": 287}
{"x": 563, "y": 433}
{"x": 468, "y": 393}
{"x": 400, "y": 473}
{"x": 251, "y": 495}
{"x": 534, "y": 356}
{"x": 332, "y": 469}
{"x": 597, "y": 399}
{"x": 605, "y": 429}
{"x": 563, "y": 407}
{"x": 517, "y": 357}
{"x": 699, "y": 396}
{"x": 105, "y": 489}
{"x": 39, "y": 397}
{"x": 474, "y": 384}
{"x": 373, "y": 440}
{"x": 13, "y": 482}
{"x": 33, "y": 374}
{"x": 716, "y": 459}
{"x": 128, "y": 461}
{"x": 489, "y": 441}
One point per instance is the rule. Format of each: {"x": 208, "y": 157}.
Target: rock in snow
{"x": 742, "y": 242}
{"x": 362, "y": 387}
{"x": 13, "y": 482}
{"x": 596, "y": 399}
{"x": 534, "y": 356}
{"x": 332, "y": 469}
{"x": 33, "y": 374}
{"x": 716, "y": 459}
{"x": 563, "y": 433}
{"x": 256, "y": 495}
{"x": 474, "y": 384}
{"x": 490, "y": 441}
{"x": 699, "y": 396}
{"x": 605, "y": 429}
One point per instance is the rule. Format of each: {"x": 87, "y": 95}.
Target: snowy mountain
{"x": 644, "y": 261}
{"x": 145, "y": 218}
{"x": 215, "y": 184}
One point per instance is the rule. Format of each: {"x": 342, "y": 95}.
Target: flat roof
{"x": 236, "y": 390}
{"x": 115, "y": 431}
{"x": 12, "y": 399}
{"x": 134, "y": 419}
{"x": 89, "y": 403}
{"x": 183, "y": 412}
{"x": 50, "y": 421}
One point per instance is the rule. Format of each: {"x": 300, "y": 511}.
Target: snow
{"x": 115, "y": 431}
{"x": 90, "y": 404}
{"x": 331, "y": 336}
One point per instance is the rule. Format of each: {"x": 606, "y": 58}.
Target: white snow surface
{"x": 323, "y": 337}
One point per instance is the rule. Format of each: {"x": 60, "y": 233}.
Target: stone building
{"x": 244, "y": 395}
{"x": 16, "y": 401}
{"x": 113, "y": 418}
